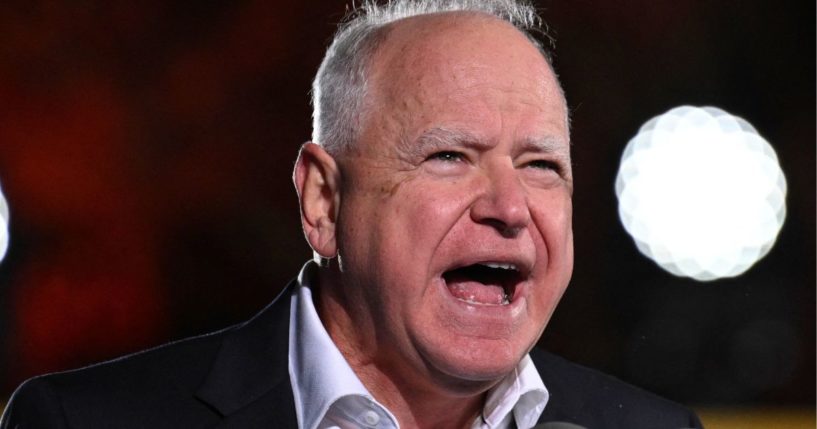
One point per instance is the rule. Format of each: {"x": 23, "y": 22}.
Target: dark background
{"x": 146, "y": 150}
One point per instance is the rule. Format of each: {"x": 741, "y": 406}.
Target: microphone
{"x": 558, "y": 425}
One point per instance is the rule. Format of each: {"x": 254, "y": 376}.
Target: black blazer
{"x": 239, "y": 378}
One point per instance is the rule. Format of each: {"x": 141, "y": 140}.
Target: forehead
{"x": 434, "y": 69}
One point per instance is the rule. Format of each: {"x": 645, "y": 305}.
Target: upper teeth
{"x": 499, "y": 265}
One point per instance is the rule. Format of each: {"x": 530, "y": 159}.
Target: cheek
{"x": 408, "y": 234}
{"x": 554, "y": 223}
{"x": 553, "y": 216}
{"x": 428, "y": 213}
{"x": 553, "y": 219}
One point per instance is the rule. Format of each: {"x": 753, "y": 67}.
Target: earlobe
{"x": 317, "y": 181}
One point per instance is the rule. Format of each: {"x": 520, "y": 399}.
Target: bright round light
{"x": 4, "y": 226}
{"x": 701, "y": 193}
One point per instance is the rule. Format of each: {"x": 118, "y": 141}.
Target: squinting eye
{"x": 544, "y": 164}
{"x": 446, "y": 156}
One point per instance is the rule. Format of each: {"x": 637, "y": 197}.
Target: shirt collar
{"x": 521, "y": 392}
{"x": 321, "y": 376}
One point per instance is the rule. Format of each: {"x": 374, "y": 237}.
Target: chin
{"x": 474, "y": 365}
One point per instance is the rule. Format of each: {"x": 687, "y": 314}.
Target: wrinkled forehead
{"x": 425, "y": 62}
{"x": 444, "y": 48}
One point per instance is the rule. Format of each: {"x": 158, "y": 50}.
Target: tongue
{"x": 476, "y": 292}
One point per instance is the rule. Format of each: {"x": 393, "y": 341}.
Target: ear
{"x": 317, "y": 181}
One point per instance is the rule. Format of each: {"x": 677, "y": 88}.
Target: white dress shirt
{"x": 328, "y": 393}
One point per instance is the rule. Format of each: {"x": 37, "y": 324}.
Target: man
{"x": 437, "y": 199}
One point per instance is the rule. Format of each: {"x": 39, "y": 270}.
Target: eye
{"x": 447, "y": 163}
{"x": 543, "y": 164}
{"x": 446, "y": 156}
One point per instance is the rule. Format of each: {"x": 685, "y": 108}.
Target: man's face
{"x": 454, "y": 229}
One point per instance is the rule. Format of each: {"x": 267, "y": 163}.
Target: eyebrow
{"x": 550, "y": 145}
{"x": 444, "y": 137}
{"x": 438, "y": 138}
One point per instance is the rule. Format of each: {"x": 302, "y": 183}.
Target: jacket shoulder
{"x": 36, "y": 404}
{"x": 593, "y": 399}
{"x": 147, "y": 388}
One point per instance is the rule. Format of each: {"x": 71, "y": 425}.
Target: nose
{"x": 503, "y": 204}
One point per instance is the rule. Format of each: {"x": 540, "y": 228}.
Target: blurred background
{"x": 146, "y": 150}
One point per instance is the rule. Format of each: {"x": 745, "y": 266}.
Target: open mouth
{"x": 484, "y": 283}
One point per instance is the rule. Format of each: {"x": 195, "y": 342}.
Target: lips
{"x": 485, "y": 283}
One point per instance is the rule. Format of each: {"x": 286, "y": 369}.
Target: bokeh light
{"x": 701, "y": 193}
{"x": 4, "y": 225}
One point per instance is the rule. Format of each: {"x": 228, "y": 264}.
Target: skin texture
{"x": 463, "y": 158}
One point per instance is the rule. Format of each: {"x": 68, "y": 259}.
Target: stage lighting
{"x": 4, "y": 225}
{"x": 701, "y": 193}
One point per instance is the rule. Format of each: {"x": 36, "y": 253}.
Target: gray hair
{"x": 339, "y": 88}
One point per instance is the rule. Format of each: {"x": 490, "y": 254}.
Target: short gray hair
{"x": 339, "y": 88}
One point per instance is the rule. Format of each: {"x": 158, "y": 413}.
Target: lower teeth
{"x": 505, "y": 300}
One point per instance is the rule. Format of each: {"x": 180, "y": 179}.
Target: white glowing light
{"x": 701, "y": 193}
{"x": 4, "y": 226}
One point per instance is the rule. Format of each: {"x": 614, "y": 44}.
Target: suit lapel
{"x": 275, "y": 409}
{"x": 249, "y": 382}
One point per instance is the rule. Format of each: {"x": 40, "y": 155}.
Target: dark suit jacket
{"x": 239, "y": 378}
